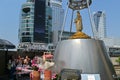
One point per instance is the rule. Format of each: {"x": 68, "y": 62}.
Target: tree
{"x": 118, "y": 60}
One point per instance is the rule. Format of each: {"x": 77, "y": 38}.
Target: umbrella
{"x": 4, "y": 44}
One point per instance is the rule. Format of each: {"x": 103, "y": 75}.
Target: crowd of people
{"x": 28, "y": 65}
{"x": 17, "y": 64}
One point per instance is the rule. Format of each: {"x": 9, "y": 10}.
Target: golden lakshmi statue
{"x": 78, "y": 21}
{"x": 79, "y": 27}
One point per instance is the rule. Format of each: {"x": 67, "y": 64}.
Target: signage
{"x": 90, "y": 76}
{"x": 70, "y": 74}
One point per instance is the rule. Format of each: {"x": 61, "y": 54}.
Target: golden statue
{"x": 79, "y": 34}
{"x": 78, "y": 22}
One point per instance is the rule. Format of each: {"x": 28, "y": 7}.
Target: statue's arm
{"x": 75, "y": 21}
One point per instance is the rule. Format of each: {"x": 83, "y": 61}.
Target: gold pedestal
{"x": 79, "y": 35}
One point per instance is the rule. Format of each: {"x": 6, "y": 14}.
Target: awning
{"x": 4, "y": 44}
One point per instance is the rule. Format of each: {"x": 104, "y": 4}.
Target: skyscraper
{"x": 40, "y": 21}
{"x": 57, "y": 19}
{"x": 35, "y": 23}
{"x": 26, "y": 28}
{"x": 99, "y": 18}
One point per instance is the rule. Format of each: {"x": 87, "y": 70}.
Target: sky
{"x": 10, "y": 18}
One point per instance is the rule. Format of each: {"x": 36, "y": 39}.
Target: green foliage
{"x": 118, "y": 60}
{"x": 57, "y": 77}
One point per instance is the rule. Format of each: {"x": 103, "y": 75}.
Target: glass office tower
{"x": 42, "y": 21}
{"x": 57, "y": 13}
{"x": 26, "y": 29}
{"x": 99, "y": 18}
{"x": 57, "y": 19}
{"x": 35, "y": 23}
{"x": 35, "y": 20}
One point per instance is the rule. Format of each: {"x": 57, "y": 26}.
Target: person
{"x": 78, "y": 21}
{"x": 12, "y": 70}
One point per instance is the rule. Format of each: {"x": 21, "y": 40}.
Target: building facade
{"x": 35, "y": 23}
{"x": 40, "y": 21}
{"x": 112, "y": 44}
{"x": 57, "y": 19}
{"x": 26, "y": 22}
{"x": 99, "y": 19}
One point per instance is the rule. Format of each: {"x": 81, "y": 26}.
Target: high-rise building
{"x": 57, "y": 19}
{"x": 99, "y": 18}
{"x": 35, "y": 23}
{"x": 26, "y": 29}
{"x": 112, "y": 44}
{"x": 40, "y": 21}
